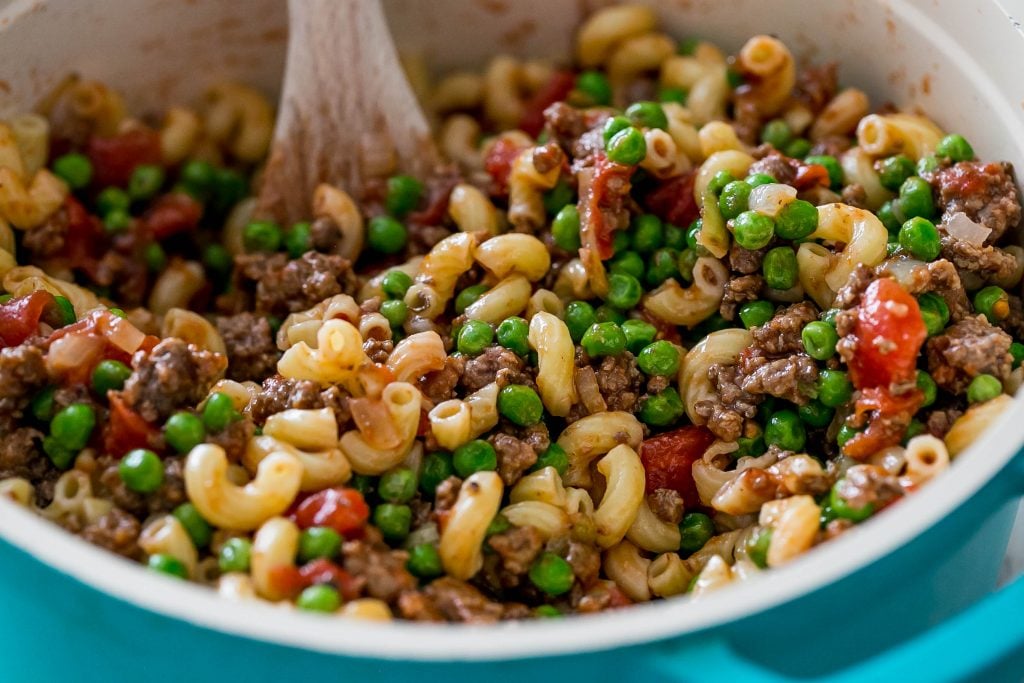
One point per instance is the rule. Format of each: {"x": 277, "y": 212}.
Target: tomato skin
{"x": 499, "y": 160}
{"x": 322, "y": 570}
{"x": 19, "y": 317}
{"x": 85, "y": 238}
{"x": 595, "y": 230}
{"x": 114, "y": 158}
{"x": 436, "y": 206}
{"x": 556, "y": 89}
{"x": 342, "y": 509}
{"x": 889, "y": 333}
{"x": 127, "y": 430}
{"x": 673, "y": 202}
{"x": 173, "y": 213}
{"x": 811, "y": 175}
{"x": 890, "y": 417}
{"x": 668, "y": 460}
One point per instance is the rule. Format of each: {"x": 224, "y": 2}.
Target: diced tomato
{"x": 888, "y": 418}
{"x": 810, "y": 175}
{"x": 673, "y": 202}
{"x": 342, "y": 509}
{"x": 668, "y": 460}
{"x": 498, "y": 162}
{"x": 85, "y": 238}
{"x": 113, "y": 159}
{"x": 595, "y": 230}
{"x": 127, "y": 429}
{"x": 171, "y": 214}
{"x": 19, "y": 317}
{"x": 321, "y": 571}
{"x": 436, "y": 208}
{"x": 889, "y": 332}
{"x": 286, "y": 580}
{"x": 556, "y": 89}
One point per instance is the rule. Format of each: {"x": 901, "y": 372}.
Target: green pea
{"x": 41, "y": 405}
{"x": 776, "y": 133}
{"x": 145, "y": 181}
{"x": 557, "y": 197}
{"x": 436, "y": 468}
{"x": 109, "y": 375}
{"x": 154, "y": 257}
{"x": 920, "y": 237}
{"x": 395, "y": 284}
{"x": 638, "y": 335}
{"x": 983, "y": 388}
{"x": 816, "y": 414}
{"x": 674, "y": 237}
{"x": 554, "y": 456}
{"x": 235, "y": 555}
{"x": 927, "y": 165}
{"x": 955, "y": 147}
{"x": 386, "y": 235}
{"x": 119, "y": 312}
{"x": 73, "y": 426}
{"x": 363, "y": 483}
{"x": 666, "y": 94}
{"x": 74, "y": 169}
{"x": 892, "y": 171}
{"x": 141, "y": 470}
{"x": 1017, "y": 351}
{"x": 797, "y": 220}
{"x": 916, "y": 198}
{"x": 398, "y": 485}
{"x": 547, "y": 612}
{"x": 780, "y": 268}
{"x": 218, "y": 412}
{"x": 117, "y": 220}
{"x": 468, "y": 296}
{"x": 318, "y": 541}
{"x": 819, "y": 340}
{"x": 198, "y": 529}
{"x": 263, "y": 236}
{"x": 513, "y": 333}
{"x": 753, "y": 230}
{"x": 474, "y": 456}
{"x": 934, "y": 312}
{"x": 624, "y": 291}
{"x": 664, "y": 264}
{"x": 198, "y": 178}
{"x": 393, "y": 520}
{"x": 319, "y": 598}
{"x": 628, "y": 263}
{"x": 396, "y": 311}
{"x": 719, "y": 181}
{"x": 498, "y": 525}
{"x": 662, "y": 409}
{"x": 613, "y": 127}
{"x": 609, "y": 314}
{"x": 993, "y": 302}
{"x": 734, "y": 199}
{"x": 217, "y": 259}
{"x": 752, "y": 446}
{"x": 845, "y": 433}
{"x": 474, "y": 337}
{"x": 648, "y": 233}
{"x": 628, "y": 147}
{"x": 594, "y": 86}
{"x": 565, "y": 228}
{"x": 520, "y": 405}
{"x": 785, "y": 430}
{"x": 693, "y": 234}
{"x": 424, "y": 561}
{"x": 757, "y": 547}
{"x": 551, "y": 574}
{"x": 112, "y": 199}
{"x": 229, "y": 188}
{"x": 798, "y": 148}
{"x": 579, "y": 317}
{"x": 758, "y": 179}
{"x": 756, "y": 313}
{"x": 403, "y": 195}
{"x": 688, "y": 46}
{"x": 890, "y": 214}
{"x": 184, "y": 431}
{"x": 834, "y": 388}
{"x": 603, "y": 339}
{"x": 831, "y": 164}
{"x": 687, "y": 261}
{"x": 915, "y": 428}
{"x": 61, "y": 456}
{"x": 659, "y": 358}
{"x": 298, "y": 240}
{"x": 167, "y": 564}
{"x": 734, "y": 78}
{"x": 842, "y": 508}
{"x": 695, "y": 531}
{"x": 647, "y": 115}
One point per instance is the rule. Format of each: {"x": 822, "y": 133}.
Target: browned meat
{"x": 21, "y": 454}
{"x": 620, "y": 381}
{"x": 984, "y": 191}
{"x": 459, "y": 601}
{"x": 942, "y": 278}
{"x": 383, "y": 568}
{"x": 781, "y": 334}
{"x": 233, "y": 438}
{"x": 967, "y": 349}
{"x": 940, "y": 421}
{"x": 831, "y": 145}
{"x": 777, "y": 166}
{"x": 791, "y": 378}
{"x": 439, "y": 385}
{"x": 47, "y": 238}
{"x": 667, "y": 505}
{"x": 416, "y": 606}
{"x": 325, "y": 235}
{"x": 577, "y": 131}
{"x": 600, "y": 596}
{"x": 816, "y": 85}
{"x": 117, "y": 531}
{"x": 495, "y": 364}
{"x": 724, "y": 415}
{"x": 740, "y": 290}
{"x": 252, "y": 354}
{"x": 987, "y": 262}
{"x": 745, "y": 261}
{"x": 284, "y": 286}
{"x": 279, "y": 393}
{"x": 864, "y": 484}
{"x": 446, "y": 494}
{"x": 171, "y": 376}
{"x": 22, "y": 374}
{"x": 107, "y": 483}
{"x": 849, "y": 294}
{"x": 855, "y": 195}
{"x": 514, "y": 457}
{"x": 518, "y": 548}
{"x": 378, "y": 350}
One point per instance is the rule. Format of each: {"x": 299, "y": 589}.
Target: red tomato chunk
{"x": 668, "y": 460}
{"x": 342, "y": 509}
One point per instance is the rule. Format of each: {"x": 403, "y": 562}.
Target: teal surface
{"x": 53, "y": 628}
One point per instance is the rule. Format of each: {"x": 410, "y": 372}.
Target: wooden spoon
{"x": 343, "y": 87}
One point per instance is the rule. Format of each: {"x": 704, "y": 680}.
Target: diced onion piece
{"x": 374, "y": 422}
{"x": 771, "y": 198}
{"x": 122, "y": 333}
{"x": 74, "y": 350}
{"x": 963, "y": 228}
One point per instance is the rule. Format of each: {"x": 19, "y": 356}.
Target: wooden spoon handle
{"x": 344, "y": 86}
